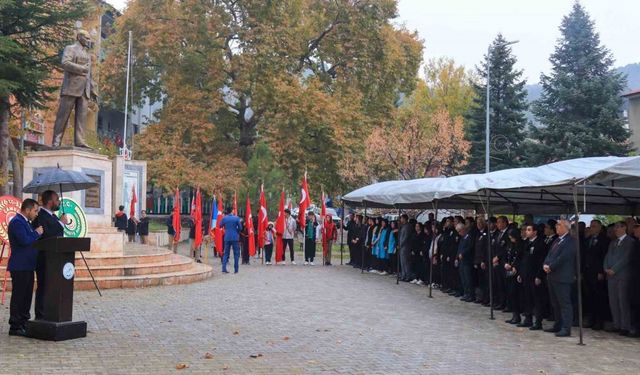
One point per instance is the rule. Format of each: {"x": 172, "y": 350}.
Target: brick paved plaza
{"x": 298, "y": 320}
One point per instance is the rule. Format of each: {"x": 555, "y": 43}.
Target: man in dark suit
{"x": 465, "y": 262}
{"x": 499, "y": 252}
{"x": 21, "y": 264}
{"x": 617, "y": 266}
{"x": 53, "y": 227}
{"x": 531, "y": 277}
{"x": 595, "y": 291}
{"x": 560, "y": 266}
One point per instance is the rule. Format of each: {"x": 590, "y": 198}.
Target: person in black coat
{"x": 531, "y": 275}
{"x": 132, "y": 228}
{"x": 481, "y": 260}
{"x": 512, "y": 268}
{"x": 499, "y": 251}
{"x": 143, "y": 227}
{"x": 53, "y": 227}
{"x": 560, "y": 266}
{"x": 121, "y": 220}
{"x": 464, "y": 258}
{"x": 595, "y": 284}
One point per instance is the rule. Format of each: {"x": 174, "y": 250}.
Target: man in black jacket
{"x": 595, "y": 291}
{"x": 52, "y": 227}
{"x": 480, "y": 260}
{"x": 560, "y": 266}
{"x": 531, "y": 275}
{"x": 499, "y": 252}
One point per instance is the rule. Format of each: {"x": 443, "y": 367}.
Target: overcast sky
{"x": 462, "y": 29}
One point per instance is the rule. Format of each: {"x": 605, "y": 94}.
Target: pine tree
{"x": 507, "y": 110}
{"x": 580, "y": 106}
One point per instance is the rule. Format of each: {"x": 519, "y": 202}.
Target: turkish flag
{"x": 305, "y": 202}
{"x": 280, "y": 229}
{"x": 134, "y": 200}
{"x": 219, "y": 235}
{"x": 263, "y": 220}
{"x": 197, "y": 216}
{"x": 177, "y": 226}
{"x": 250, "y": 233}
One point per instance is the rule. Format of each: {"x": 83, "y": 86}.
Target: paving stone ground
{"x": 304, "y": 320}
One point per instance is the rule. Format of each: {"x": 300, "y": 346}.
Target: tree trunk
{"x": 4, "y": 144}
{"x": 17, "y": 170}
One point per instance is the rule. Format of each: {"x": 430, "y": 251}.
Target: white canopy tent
{"x": 602, "y": 185}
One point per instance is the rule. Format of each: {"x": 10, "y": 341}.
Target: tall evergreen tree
{"x": 507, "y": 110}
{"x": 580, "y": 106}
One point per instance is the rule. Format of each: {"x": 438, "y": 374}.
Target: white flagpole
{"x": 126, "y": 99}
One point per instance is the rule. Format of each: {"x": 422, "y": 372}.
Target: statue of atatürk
{"x": 77, "y": 90}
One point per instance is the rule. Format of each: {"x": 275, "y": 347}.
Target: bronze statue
{"x": 77, "y": 90}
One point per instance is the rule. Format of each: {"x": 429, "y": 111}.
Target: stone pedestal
{"x": 97, "y": 202}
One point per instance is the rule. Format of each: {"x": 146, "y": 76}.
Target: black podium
{"x": 56, "y": 324}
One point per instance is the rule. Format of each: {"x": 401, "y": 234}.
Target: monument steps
{"x": 142, "y": 267}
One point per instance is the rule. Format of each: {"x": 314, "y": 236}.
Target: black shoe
{"x": 612, "y": 330}
{"x": 624, "y": 332}
{"x": 486, "y": 304}
{"x": 458, "y": 295}
{"x": 563, "y": 333}
{"x": 597, "y": 327}
{"x": 498, "y": 307}
{"x": 526, "y": 324}
{"x": 198, "y": 261}
{"x": 552, "y": 330}
{"x": 536, "y": 327}
{"x": 506, "y": 310}
{"x": 225, "y": 271}
{"x": 478, "y": 301}
{"x": 18, "y": 332}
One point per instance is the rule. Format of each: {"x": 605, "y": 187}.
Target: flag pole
{"x": 342, "y": 233}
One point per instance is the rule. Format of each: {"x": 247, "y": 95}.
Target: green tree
{"x": 32, "y": 34}
{"x": 580, "y": 106}
{"x": 508, "y": 103}
{"x": 262, "y": 169}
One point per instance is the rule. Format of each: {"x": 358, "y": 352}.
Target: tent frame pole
{"x": 490, "y": 252}
{"x": 579, "y": 279}
{"x": 342, "y": 235}
{"x": 431, "y": 257}
{"x": 398, "y": 252}
{"x": 364, "y": 245}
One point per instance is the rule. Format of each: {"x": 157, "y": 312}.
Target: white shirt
{"x": 289, "y": 228}
{"x": 620, "y": 239}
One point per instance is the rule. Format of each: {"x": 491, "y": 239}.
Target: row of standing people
{"x": 535, "y": 273}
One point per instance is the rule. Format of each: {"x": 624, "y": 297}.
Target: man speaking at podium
{"x": 21, "y": 265}
{"x": 53, "y": 227}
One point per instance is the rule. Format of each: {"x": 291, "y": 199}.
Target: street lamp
{"x": 487, "y": 168}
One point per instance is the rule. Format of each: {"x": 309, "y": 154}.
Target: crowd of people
{"x": 529, "y": 270}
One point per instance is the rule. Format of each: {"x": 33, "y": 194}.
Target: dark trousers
{"x": 357, "y": 255}
{"x": 268, "y": 250}
{"x": 287, "y": 242}
{"x": 528, "y": 297}
{"x": 40, "y": 274}
{"x": 393, "y": 263}
{"x": 309, "y": 249}
{"x": 483, "y": 284}
{"x": 20, "y": 305}
{"x": 351, "y": 254}
{"x": 540, "y": 301}
{"x": 466, "y": 277}
{"x": 560, "y": 296}
{"x": 499, "y": 285}
{"x": 596, "y": 299}
{"x": 236, "y": 255}
{"x": 514, "y": 294}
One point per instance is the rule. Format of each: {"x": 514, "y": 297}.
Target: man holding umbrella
{"x": 53, "y": 227}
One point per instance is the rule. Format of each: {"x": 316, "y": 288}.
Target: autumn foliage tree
{"x": 420, "y": 143}
{"x": 307, "y": 77}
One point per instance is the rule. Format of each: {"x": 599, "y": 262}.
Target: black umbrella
{"x": 59, "y": 179}
{"x": 62, "y": 180}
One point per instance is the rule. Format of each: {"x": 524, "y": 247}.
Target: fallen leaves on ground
{"x": 181, "y": 366}
{"x": 208, "y": 355}
{"x": 236, "y": 333}
{"x": 285, "y": 338}
{"x": 256, "y": 355}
